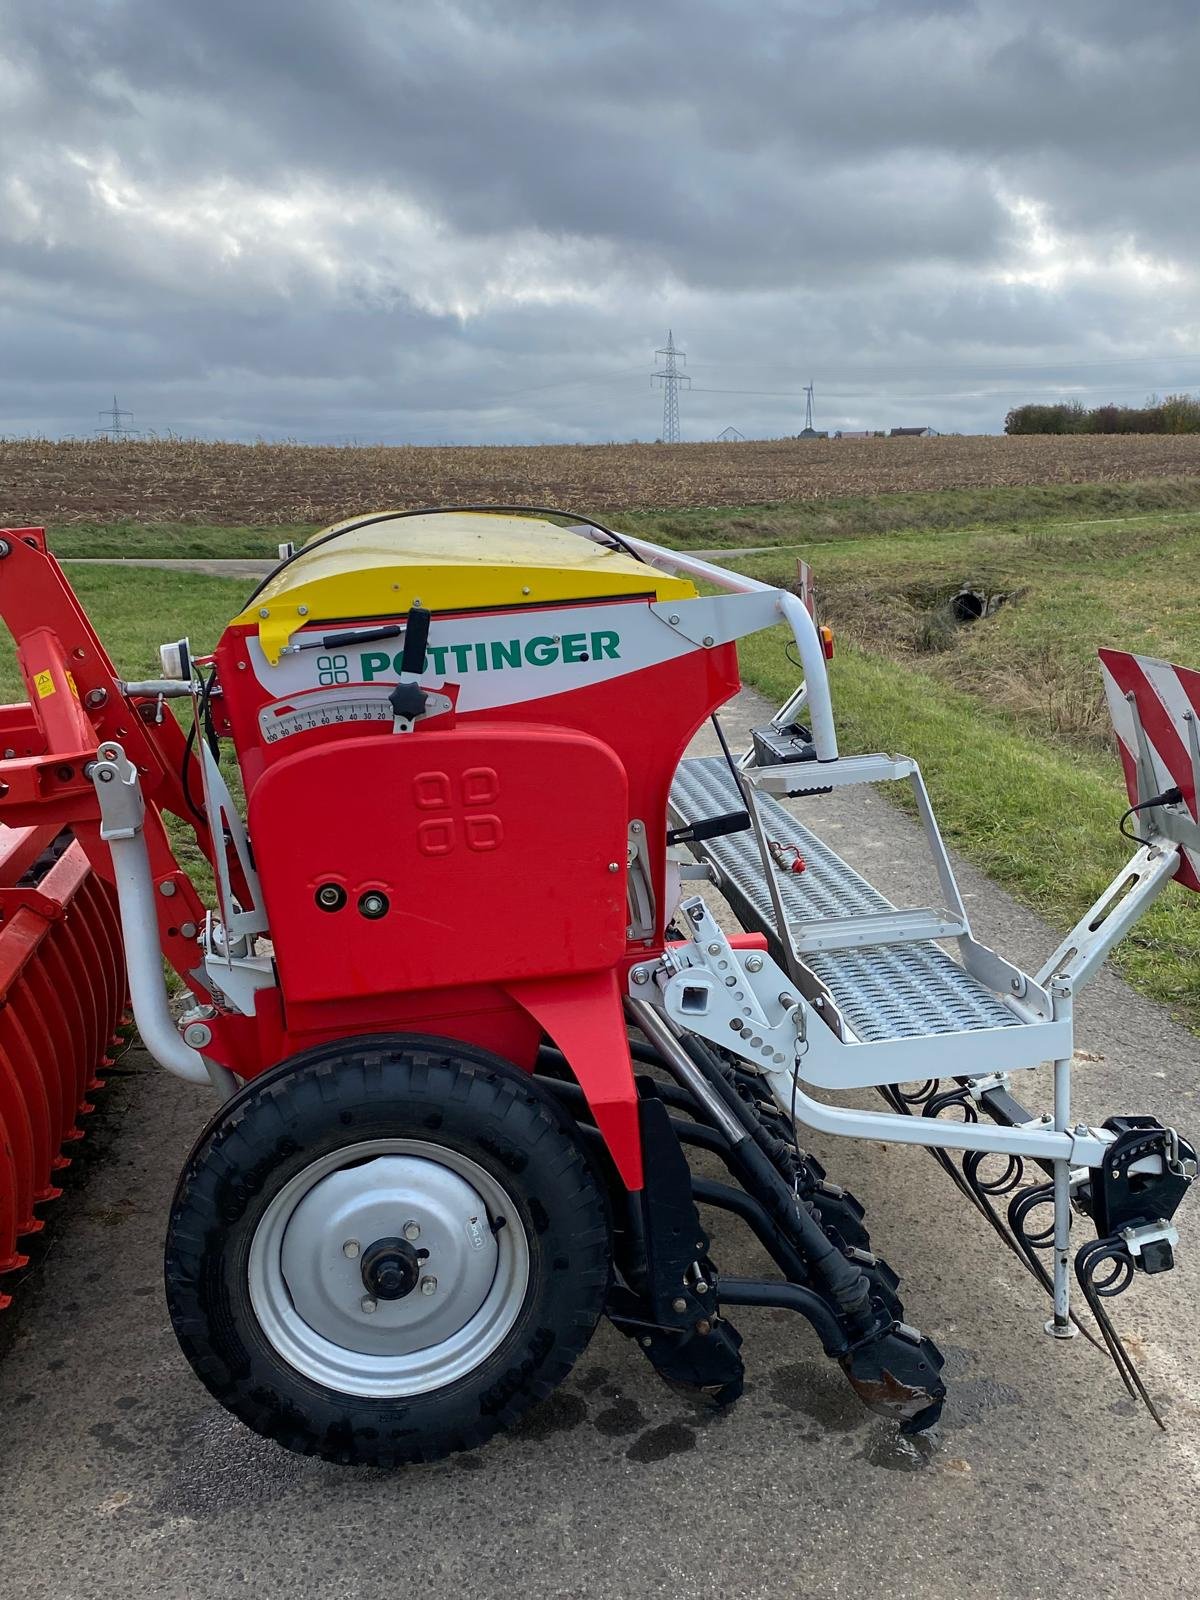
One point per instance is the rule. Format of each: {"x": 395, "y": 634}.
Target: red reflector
{"x": 827, "y": 642}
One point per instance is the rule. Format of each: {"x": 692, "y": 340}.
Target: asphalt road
{"x": 119, "y": 1477}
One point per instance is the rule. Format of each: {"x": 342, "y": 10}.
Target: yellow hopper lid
{"x": 445, "y": 561}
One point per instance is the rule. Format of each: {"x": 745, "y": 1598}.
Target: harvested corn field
{"x": 185, "y": 481}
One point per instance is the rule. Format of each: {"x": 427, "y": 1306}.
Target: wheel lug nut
{"x": 351, "y": 1248}
{"x": 428, "y": 1285}
{"x": 367, "y": 1304}
{"x": 412, "y": 1230}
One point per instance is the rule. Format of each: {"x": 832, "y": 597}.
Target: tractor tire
{"x": 386, "y": 1250}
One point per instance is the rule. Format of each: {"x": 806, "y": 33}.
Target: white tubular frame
{"x": 122, "y": 812}
{"x": 790, "y": 610}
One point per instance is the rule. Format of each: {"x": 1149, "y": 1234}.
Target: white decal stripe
{"x": 642, "y": 640}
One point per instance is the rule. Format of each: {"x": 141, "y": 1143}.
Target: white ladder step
{"x": 884, "y": 989}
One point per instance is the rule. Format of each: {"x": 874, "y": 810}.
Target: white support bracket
{"x": 122, "y": 814}
{"x": 1126, "y": 898}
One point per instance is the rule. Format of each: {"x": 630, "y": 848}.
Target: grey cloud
{"x": 267, "y": 217}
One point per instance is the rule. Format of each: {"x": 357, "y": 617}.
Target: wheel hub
{"x": 378, "y": 1269}
{"x": 391, "y": 1268}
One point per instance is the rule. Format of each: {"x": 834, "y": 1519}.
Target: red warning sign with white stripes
{"x": 1166, "y": 701}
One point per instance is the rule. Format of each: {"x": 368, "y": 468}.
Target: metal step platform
{"x": 900, "y": 989}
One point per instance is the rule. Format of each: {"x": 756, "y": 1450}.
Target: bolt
{"x": 635, "y": 827}
{"x": 368, "y": 1304}
{"x": 639, "y": 974}
{"x": 714, "y": 949}
{"x": 701, "y": 1286}
{"x": 679, "y": 1304}
{"x": 754, "y": 963}
{"x": 166, "y": 888}
{"x": 614, "y": 866}
{"x": 106, "y": 776}
{"x": 5, "y": 549}
{"x": 1082, "y": 1130}
{"x": 646, "y": 1341}
{"x": 428, "y": 1285}
{"x": 729, "y": 982}
{"x": 302, "y": 611}
{"x": 787, "y": 1001}
{"x": 411, "y": 1231}
{"x": 188, "y": 930}
{"x": 525, "y": 590}
{"x": 673, "y": 620}
{"x": 197, "y": 1034}
{"x": 351, "y": 1248}
{"x": 95, "y": 698}
{"x": 703, "y": 1327}
{"x": 263, "y": 612}
{"x": 708, "y": 639}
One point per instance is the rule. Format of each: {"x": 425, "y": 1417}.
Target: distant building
{"x": 812, "y": 433}
{"x": 911, "y": 433}
{"x": 847, "y": 433}
{"x": 731, "y": 436}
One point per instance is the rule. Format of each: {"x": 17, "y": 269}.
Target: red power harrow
{"x": 62, "y": 999}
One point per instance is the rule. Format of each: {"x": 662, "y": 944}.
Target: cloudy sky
{"x": 462, "y": 221}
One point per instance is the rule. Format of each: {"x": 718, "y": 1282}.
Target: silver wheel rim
{"x": 306, "y": 1279}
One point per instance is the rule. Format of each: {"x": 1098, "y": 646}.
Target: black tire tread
{"x": 255, "y": 1136}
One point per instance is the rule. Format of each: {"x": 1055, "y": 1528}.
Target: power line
{"x": 884, "y": 387}
{"x": 977, "y": 366}
{"x": 670, "y": 377}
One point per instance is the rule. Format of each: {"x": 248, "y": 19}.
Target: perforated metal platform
{"x": 895, "y": 991}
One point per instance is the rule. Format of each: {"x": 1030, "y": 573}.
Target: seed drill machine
{"x": 480, "y": 1031}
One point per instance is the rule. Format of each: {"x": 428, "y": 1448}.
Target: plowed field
{"x": 181, "y": 481}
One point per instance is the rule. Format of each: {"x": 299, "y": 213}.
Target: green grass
{"x": 1132, "y": 584}
{"x": 155, "y": 539}
{"x": 134, "y": 612}
{"x": 855, "y": 516}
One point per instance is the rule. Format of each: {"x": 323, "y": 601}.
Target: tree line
{"x": 1178, "y": 413}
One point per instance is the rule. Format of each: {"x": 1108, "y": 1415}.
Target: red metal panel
{"x": 500, "y": 851}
